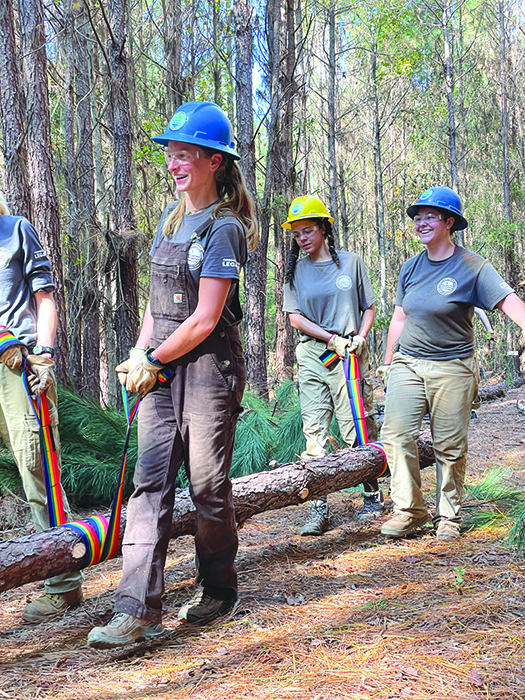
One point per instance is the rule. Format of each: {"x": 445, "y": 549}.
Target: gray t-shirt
{"x": 438, "y": 298}
{"x": 221, "y": 252}
{"x": 24, "y": 270}
{"x": 330, "y": 296}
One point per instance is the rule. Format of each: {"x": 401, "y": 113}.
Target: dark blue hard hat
{"x": 443, "y": 198}
{"x": 202, "y": 124}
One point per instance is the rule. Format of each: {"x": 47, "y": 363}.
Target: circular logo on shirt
{"x": 195, "y": 256}
{"x": 5, "y": 258}
{"x": 343, "y": 282}
{"x": 447, "y": 285}
{"x": 177, "y": 121}
{"x": 296, "y": 208}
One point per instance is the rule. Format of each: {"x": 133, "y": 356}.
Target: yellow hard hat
{"x": 307, "y": 207}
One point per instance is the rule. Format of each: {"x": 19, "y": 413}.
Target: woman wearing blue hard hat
{"x": 430, "y": 362}
{"x": 191, "y": 325}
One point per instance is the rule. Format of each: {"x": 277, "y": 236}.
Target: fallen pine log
{"x": 491, "y": 392}
{"x": 38, "y": 556}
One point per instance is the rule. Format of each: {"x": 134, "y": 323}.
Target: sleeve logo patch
{"x": 39, "y": 254}
{"x": 195, "y": 256}
{"x": 344, "y": 283}
{"x": 231, "y": 262}
{"x": 446, "y": 286}
{"x": 5, "y": 258}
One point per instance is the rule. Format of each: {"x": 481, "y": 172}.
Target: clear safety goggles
{"x": 429, "y": 218}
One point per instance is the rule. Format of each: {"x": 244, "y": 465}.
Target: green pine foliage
{"x": 92, "y": 440}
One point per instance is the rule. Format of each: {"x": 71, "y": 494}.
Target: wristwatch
{"x": 43, "y": 350}
{"x": 154, "y": 360}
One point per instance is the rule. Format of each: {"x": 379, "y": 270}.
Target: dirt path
{"x": 347, "y": 615}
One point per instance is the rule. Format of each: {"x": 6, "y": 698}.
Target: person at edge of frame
{"x": 330, "y": 301}
{"x": 191, "y": 325}
{"x": 430, "y": 364}
{"x": 28, "y": 321}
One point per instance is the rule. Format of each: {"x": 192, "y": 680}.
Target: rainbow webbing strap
{"x": 48, "y": 451}
{"x": 100, "y": 536}
{"x": 7, "y": 339}
{"x": 351, "y": 369}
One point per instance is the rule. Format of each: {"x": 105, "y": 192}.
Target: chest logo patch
{"x": 177, "y": 298}
{"x": 195, "y": 256}
{"x": 344, "y": 283}
{"x": 446, "y": 286}
{"x": 5, "y": 258}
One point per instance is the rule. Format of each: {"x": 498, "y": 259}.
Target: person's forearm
{"x": 367, "y": 321}
{"x": 46, "y": 319}
{"x": 514, "y": 308}
{"x": 308, "y": 327}
{"x": 146, "y": 330}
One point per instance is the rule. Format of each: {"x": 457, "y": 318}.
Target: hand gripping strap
{"x": 7, "y": 339}
{"x": 351, "y": 368}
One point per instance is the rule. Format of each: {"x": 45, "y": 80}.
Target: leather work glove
{"x": 143, "y": 376}
{"x": 125, "y": 367}
{"x": 43, "y": 376}
{"x": 358, "y": 345}
{"x": 12, "y": 356}
{"x": 382, "y": 372}
{"x": 338, "y": 344}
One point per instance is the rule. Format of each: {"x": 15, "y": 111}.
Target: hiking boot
{"x": 401, "y": 524}
{"x": 317, "y": 522}
{"x": 194, "y": 600}
{"x": 49, "y": 605}
{"x": 373, "y": 505}
{"x": 202, "y": 608}
{"x": 447, "y": 530}
{"x": 123, "y": 629}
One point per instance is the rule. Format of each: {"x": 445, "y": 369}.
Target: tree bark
{"x": 18, "y": 192}
{"x": 48, "y": 553}
{"x": 255, "y": 271}
{"x": 44, "y": 195}
{"x": 127, "y": 311}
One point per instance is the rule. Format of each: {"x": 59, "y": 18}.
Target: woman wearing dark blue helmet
{"x": 191, "y": 325}
{"x": 430, "y": 362}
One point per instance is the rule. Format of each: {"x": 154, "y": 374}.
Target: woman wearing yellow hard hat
{"x": 330, "y": 300}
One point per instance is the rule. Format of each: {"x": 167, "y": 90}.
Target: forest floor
{"x": 350, "y": 614}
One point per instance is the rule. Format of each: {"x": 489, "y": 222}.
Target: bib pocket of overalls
{"x": 169, "y": 297}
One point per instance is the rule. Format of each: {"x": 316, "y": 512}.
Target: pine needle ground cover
{"x": 348, "y": 615}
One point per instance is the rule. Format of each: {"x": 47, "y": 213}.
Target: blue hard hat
{"x": 202, "y": 124}
{"x": 441, "y": 198}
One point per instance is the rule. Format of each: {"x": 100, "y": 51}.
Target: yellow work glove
{"x": 382, "y": 372}
{"x": 43, "y": 376}
{"x": 143, "y": 376}
{"x": 12, "y": 356}
{"x": 339, "y": 345}
{"x": 125, "y": 367}
{"x": 358, "y": 345}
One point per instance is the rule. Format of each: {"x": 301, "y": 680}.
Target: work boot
{"x": 318, "y": 519}
{"x": 49, "y": 605}
{"x": 447, "y": 530}
{"x": 123, "y": 629}
{"x": 402, "y": 523}
{"x": 373, "y": 505}
{"x": 202, "y": 608}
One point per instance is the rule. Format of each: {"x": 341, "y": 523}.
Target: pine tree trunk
{"x": 256, "y": 269}
{"x": 126, "y": 312}
{"x": 44, "y": 196}
{"x": 11, "y": 114}
{"x": 36, "y": 557}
